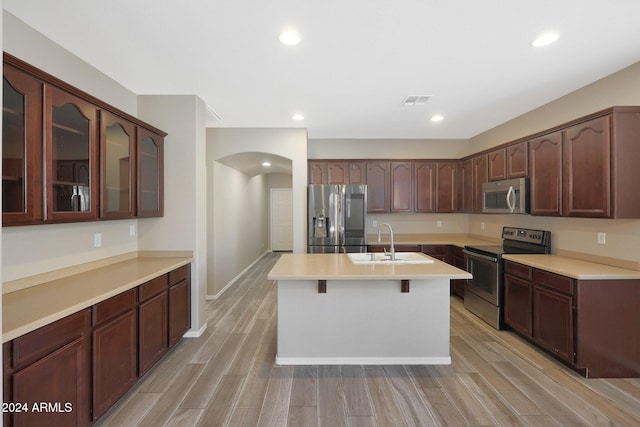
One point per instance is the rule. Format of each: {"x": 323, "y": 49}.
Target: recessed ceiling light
{"x": 298, "y": 117}
{"x": 544, "y": 39}
{"x": 266, "y": 164}
{"x": 437, "y": 118}
{"x": 289, "y": 38}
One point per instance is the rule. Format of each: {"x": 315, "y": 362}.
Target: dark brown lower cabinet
{"x": 553, "y": 322}
{"x": 153, "y": 337}
{"x": 457, "y": 286}
{"x": 517, "y": 304}
{"x": 76, "y": 368}
{"x": 50, "y": 374}
{"x": 591, "y": 325}
{"x": 179, "y": 311}
{"x": 114, "y": 360}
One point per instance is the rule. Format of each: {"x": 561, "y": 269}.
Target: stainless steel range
{"x": 483, "y": 295}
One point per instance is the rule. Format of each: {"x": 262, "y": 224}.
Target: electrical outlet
{"x": 97, "y": 240}
{"x": 439, "y": 224}
{"x": 482, "y": 226}
{"x": 602, "y": 238}
{"x": 132, "y": 230}
{"x": 374, "y": 223}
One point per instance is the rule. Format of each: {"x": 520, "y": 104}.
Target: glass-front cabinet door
{"x": 117, "y": 170}
{"x": 21, "y": 148}
{"x": 150, "y": 174}
{"x": 71, "y": 127}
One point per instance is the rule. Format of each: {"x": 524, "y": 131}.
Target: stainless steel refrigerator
{"x": 337, "y": 218}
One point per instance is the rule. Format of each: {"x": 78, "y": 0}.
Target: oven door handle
{"x": 476, "y": 255}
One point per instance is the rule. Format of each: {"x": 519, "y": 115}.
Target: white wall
{"x": 239, "y": 226}
{"x": 226, "y": 185}
{"x": 183, "y": 226}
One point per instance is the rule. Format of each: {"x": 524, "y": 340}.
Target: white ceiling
{"x": 357, "y": 61}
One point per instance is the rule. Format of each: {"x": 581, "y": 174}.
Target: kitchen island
{"x": 333, "y": 311}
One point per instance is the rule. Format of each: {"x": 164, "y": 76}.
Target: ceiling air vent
{"x": 415, "y": 100}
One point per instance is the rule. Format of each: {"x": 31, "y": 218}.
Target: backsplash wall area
{"x": 572, "y": 236}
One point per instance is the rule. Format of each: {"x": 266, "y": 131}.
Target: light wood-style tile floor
{"x": 228, "y": 377}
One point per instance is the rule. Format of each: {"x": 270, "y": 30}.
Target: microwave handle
{"x": 511, "y": 194}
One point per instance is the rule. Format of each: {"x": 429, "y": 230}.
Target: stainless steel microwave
{"x": 507, "y": 196}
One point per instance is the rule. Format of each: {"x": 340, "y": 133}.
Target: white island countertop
{"x": 340, "y": 267}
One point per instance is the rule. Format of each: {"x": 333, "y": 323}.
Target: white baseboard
{"x": 195, "y": 334}
{"x": 363, "y": 360}
{"x": 234, "y": 280}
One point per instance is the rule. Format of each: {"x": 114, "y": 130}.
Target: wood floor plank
{"x": 304, "y": 388}
{"x": 201, "y": 392}
{"x": 331, "y": 404}
{"x": 387, "y": 411}
{"x": 169, "y": 401}
{"x": 222, "y": 401}
{"x": 414, "y": 409}
{"x": 356, "y": 394}
{"x": 275, "y": 409}
{"x": 302, "y": 416}
{"x": 496, "y": 378}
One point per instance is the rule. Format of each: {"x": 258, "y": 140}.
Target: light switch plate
{"x": 97, "y": 240}
{"x": 602, "y": 238}
{"x": 132, "y": 230}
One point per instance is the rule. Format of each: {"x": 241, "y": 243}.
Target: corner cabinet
{"x": 577, "y": 321}
{"x": 69, "y": 157}
{"x": 150, "y": 173}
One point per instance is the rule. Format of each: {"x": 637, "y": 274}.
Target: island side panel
{"x": 363, "y": 322}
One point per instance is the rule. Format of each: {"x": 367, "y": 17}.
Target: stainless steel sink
{"x": 381, "y": 258}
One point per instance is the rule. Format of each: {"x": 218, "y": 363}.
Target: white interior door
{"x": 281, "y": 219}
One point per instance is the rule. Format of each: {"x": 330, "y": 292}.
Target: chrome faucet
{"x": 392, "y": 248}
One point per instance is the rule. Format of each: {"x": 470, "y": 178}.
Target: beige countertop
{"x": 340, "y": 267}
{"x": 575, "y": 268}
{"x": 30, "y": 308}
{"x": 460, "y": 240}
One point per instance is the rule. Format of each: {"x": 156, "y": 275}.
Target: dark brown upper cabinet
{"x": 497, "y": 164}
{"x": 337, "y": 172}
{"x": 424, "y": 178}
{"x": 377, "y": 187}
{"x": 401, "y": 187}
{"x": 446, "y": 187}
{"x": 517, "y": 160}
{"x": 357, "y": 173}
{"x": 587, "y": 169}
{"x": 465, "y": 187}
{"x": 71, "y": 157}
{"x": 118, "y": 161}
{"x": 21, "y": 148}
{"x": 545, "y": 164}
{"x": 480, "y": 176}
{"x": 150, "y": 169}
